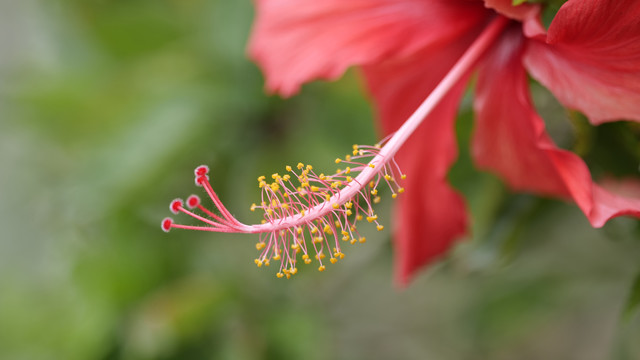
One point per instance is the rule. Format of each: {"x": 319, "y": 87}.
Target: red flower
{"x": 589, "y": 58}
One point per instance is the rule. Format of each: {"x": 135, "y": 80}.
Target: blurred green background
{"x": 105, "y": 109}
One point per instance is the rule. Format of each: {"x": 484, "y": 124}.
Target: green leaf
{"x": 633, "y": 302}
{"x": 518, "y": 2}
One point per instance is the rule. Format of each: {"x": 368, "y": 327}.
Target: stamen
{"x": 305, "y": 212}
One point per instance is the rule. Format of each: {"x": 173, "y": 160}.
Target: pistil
{"x": 312, "y": 217}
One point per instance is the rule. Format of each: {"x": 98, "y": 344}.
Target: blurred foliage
{"x": 107, "y": 106}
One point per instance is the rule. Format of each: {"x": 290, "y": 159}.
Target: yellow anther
{"x": 355, "y": 146}
{"x": 258, "y": 262}
{"x": 372, "y": 218}
{"x": 275, "y": 187}
{"x": 335, "y": 184}
{"x": 377, "y": 146}
{"x": 374, "y": 192}
{"x": 363, "y": 239}
{"x": 320, "y": 256}
{"x": 355, "y": 152}
{"x": 288, "y": 168}
{"x": 305, "y": 256}
{"x": 275, "y": 176}
{"x": 295, "y": 246}
{"x": 347, "y": 170}
{"x": 262, "y": 184}
{"x": 285, "y": 195}
{"x": 376, "y": 200}
{"x": 327, "y": 197}
{"x": 294, "y": 271}
{"x": 336, "y": 205}
{"x": 304, "y": 173}
{"x": 403, "y": 176}
{"x": 318, "y": 240}
{"x": 347, "y": 157}
{"x": 338, "y": 160}
{"x": 300, "y": 165}
{"x": 288, "y": 275}
{"x": 286, "y": 177}
{"x": 276, "y": 257}
{"x": 348, "y": 212}
{"x": 348, "y": 205}
{"x": 333, "y": 260}
{"x": 253, "y": 207}
{"x": 309, "y": 167}
{"x": 261, "y": 178}
{"x": 387, "y": 177}
{"x": 322, "y": 177}
{"x": 345, "y": 238}
{"x": 321, "y": 268}
{"x": 327, "y": 229}
{"x": 263, "y": 221}
{"x": 394, "y": 195}
{"x": 274, "y": 203}
{"x": 315, "y": 189}
{"x": 266, "y": 262}
{"x": 380, "y": 227}
{"x": 372, "y": 166}
{"x": 372, "y": 184}
{"x": 337, "y": 223}
{"x": 314, "y": 230}
{"x": 353, "y": 228}
{"x": 353, "y": 241}
{"x": 307, "y": 261}
{"x": 303, "y": 212}
{"x": 359, "y": 217}
{"x": 345, "y": 233}
{"x": 286, "y": 272}
{"x": 341, "y": 255}
{"x": 269, "y": 212}
{"x": 349, "y": 178}
{"x": 299, "y": 230}
{"x": 279, "y": 275}
{"x": 260, "y": 246}
{"x": 304, "y": 184}
{"x": 400, "y": 190}
{"x": 285, "y": 206}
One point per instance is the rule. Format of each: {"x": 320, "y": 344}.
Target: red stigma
{"x": 166, "y": 224}
{"x": 201, "y": 179}
{"x": 176, "y": 205}
{"x": 193, "y": 201}
{"x": 201, "y": 170}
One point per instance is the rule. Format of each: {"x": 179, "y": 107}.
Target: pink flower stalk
{"x": 589, "y": 58}
{"x": 312, "y": 215}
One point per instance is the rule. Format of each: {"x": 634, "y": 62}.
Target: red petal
{"x": 591, "y": 60}
{"x": 527, "y": 14}
{"x": 295, "y": 41}
{"x": 511, "y": 140}
{"x": 430, "y": 214}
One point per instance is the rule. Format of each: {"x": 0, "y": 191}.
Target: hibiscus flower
{"x": 409, "y": 50}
